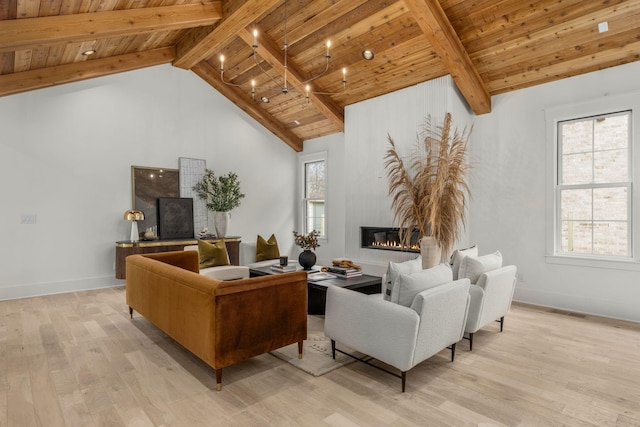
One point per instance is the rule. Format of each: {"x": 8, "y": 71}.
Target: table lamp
{"x": 134, "y": 216}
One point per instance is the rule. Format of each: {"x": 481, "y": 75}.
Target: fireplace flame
{"x": 395, "y": 245}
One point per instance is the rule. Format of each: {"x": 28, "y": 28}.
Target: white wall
{"x": 66, "y": 154}
{"x": 509, "y": 207}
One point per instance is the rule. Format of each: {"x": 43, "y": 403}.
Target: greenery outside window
{"x": 593, "y": 192}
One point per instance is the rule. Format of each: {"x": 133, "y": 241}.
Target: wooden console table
{"x": 126, "y": 248}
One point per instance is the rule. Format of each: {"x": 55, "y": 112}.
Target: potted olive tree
{"x": 221, "y": 194}
{"x": 430, "y": 193}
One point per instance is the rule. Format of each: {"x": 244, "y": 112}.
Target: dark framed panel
{"x": 175, "y": 218}
{"x": 147, "y": 185}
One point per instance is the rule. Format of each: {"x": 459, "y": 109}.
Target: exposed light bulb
{"x": 285, "y": 87}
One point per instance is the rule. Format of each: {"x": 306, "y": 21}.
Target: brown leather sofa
{"x": 220, "y": 322}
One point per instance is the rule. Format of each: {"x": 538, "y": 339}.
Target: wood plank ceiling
{"x": 488, "y": 46}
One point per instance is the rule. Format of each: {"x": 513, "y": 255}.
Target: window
{"x": 593, "y": 186}
{"x": 314, "y": 210}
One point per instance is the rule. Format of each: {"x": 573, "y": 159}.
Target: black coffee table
{"x": 317, "y": 291}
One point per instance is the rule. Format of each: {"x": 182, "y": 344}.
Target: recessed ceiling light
{"x": 89, "y": 52}
{"x": 264, "y": 99}
{"x": 296, "y": 122}
{"x": 603, "y": 27}
{"x": 367, "y": 54}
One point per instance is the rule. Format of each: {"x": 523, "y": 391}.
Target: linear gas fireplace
{"x": 387, "y": 238}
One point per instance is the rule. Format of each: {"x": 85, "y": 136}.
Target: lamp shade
{"x": 134, "y": 215}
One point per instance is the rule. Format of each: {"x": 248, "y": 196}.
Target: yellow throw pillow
{"x": 267, "y": 249}
{"x": 212, "y": 254}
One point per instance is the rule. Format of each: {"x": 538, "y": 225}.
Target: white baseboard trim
{"x": 40, "y": 289}
{"x": 578, "y": 304}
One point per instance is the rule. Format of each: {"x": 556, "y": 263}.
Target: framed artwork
{"x": 147, "y": 185}
{"x": 175, "y": 218}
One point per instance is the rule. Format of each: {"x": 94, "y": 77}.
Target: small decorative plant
{"x": 306, "y": 241}
{"x": 222, "y": 193}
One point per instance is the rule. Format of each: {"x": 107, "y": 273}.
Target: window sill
{"x": 613, "y": 264}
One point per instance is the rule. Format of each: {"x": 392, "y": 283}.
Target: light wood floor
{"x": 77, "y": 360}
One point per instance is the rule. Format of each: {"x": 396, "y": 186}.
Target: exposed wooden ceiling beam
{"x": 273, "y": 56}
{"x": 200, "y": 45}
{"x": 29, "y": 33}
{"x": 447, "y": 45}
{"x": 212, "y": 76}
{"x": 51, "y": 76}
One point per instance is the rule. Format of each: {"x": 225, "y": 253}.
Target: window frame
{"x": 602, "y": 106}
{"x": 303, "y": 160}
{"x": 559, "y": 187}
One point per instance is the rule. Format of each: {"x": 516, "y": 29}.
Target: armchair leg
{"x": 130, "y": 313}
{"x": 300, "y": 349}
{"x": 470, "y": 341}
{"x": 367, "y": 360}
{"x": 501, "y": 323}
{"x": 453, "y": 351}
{"x": 218, "y": 379}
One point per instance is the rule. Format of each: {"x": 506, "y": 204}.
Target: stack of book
{"x": 344, "y": 272}
{"x": 283, "y": 268}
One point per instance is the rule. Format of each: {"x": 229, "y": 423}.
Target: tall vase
{"x": 221, "y": 222}
{"x": 307, "y": 259}
{"x": 430, "y": 251}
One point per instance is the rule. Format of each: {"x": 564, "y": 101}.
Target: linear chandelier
{"x": 285, "y": 87}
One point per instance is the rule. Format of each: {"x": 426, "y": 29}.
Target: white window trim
{"x": 302, "y": 160}
{"x": 599, "y": 106}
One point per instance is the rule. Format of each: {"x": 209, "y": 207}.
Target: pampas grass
{"x": 430, "y": 195}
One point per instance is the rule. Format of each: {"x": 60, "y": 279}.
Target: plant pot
{"x": 307, "y": 259}
{"x": 221, "y": 222}
{"x": 430, "y": 251}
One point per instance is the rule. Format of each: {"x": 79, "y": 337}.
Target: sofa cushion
{"x": 226, "y": 272}
{"x": 409, "y": 285}
{"x": 457, "y": 257}
{"x": 472, "y": 267}
{"x": 212, "y": 254}
{"x": 394, "y": 271}
{"x": 265, "y": 263}
{"x": 267, "y": 249}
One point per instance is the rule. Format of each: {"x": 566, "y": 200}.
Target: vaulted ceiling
{"x": 487, "y": 46}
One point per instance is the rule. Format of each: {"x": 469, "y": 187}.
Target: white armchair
{"x": 394, "y": 334}
{"x": 491, "y": 298}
